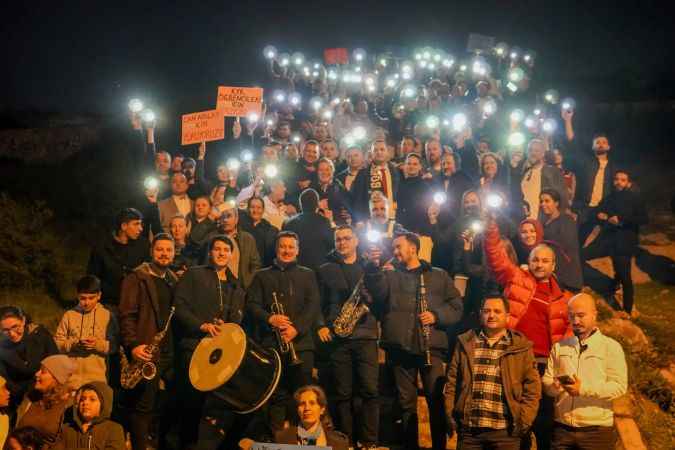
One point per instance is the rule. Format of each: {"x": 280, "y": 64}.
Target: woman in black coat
{"x": 561, "y": 230}
{"x": 264, "y": 233}
{"x": 23, "y": 345}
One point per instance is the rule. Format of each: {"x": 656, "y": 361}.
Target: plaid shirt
{"x": 487, "y": 406}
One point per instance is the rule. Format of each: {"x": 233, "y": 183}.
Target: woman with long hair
{"x": 312, "y": 424}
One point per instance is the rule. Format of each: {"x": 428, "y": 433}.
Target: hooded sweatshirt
{"x": 102, "y": 434}
{"x": 76, "y": 325}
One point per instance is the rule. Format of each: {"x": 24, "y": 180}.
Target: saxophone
{"x": 426, "y": 329}
{"x": 351, "y": 312}
{"x": 131, "y": 373}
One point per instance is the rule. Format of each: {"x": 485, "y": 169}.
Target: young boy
{"x": 90, "y": 425}
{"x": 88, "y": 333}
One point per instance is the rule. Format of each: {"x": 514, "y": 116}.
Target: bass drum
{"x": 238, "y": 371}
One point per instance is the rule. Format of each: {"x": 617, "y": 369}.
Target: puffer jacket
{"x": 520, "y": 285}
{"x": 396, "y": 293}
{"x": 102, "y": 434}
{"x": 520, "y": 382}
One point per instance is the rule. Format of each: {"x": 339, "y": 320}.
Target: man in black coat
{"x": 118, "y": 255}
{"x": 619, "y": 216}
{"x": 315, "y": 229}
{"x": 411, "y": 333}
{"x": 414, "y": 197}
{"x": 354, "y": 354}
{"x": 206, "y": 297}
{"x": 296, "y": 289}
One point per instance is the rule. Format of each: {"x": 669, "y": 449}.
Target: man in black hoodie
{"x": 118, "y": 255}
{"x": 294, "y": 287}
{"x": 411, "y": 332}
{"x": 413, "y": 197}
{"x": 619, "y": 216}
{"x": 354, "y": 353}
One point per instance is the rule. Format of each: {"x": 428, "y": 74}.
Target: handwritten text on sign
{"x": 239, "y": 101}
{"x": 203, "y": 126}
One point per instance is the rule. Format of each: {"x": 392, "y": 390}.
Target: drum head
{"x": 215, "y": 360}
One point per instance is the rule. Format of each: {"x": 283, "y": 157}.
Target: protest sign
{"x": 335, "y": 56}
{"x": 239, "y": 101}
{"x": 202, "y": 126}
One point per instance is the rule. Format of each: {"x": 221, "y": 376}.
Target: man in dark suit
{"x": 177, "y": 204}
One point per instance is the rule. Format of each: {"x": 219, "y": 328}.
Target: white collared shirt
{"x": 531, "y": 186}
{"x": 183, "y": 204}
{"x": 598, "y": 184}
{"x": 601, "y": 367}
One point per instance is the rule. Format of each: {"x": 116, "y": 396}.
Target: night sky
{"x": 93, "y": 56}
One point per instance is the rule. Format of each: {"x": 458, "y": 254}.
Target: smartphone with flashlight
{"x": 565, "y": 379}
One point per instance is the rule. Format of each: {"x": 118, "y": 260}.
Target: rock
{"x": 628, "y": 332}
{"x": 669, "y": 374}
{"x": 629, "y": 434}
{"x": 624, "y": 406}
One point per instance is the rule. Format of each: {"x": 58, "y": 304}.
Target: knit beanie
{"x": 60, "y": 366}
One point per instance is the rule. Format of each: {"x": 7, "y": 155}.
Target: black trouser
{"x": 486, "y": 439}
{"x": 140, "y": 403}
{"x": 583, "y": 438}
{"x": 603, "y": 246}
{"x": 405, "y": 367}
{"x": 292, "y": 378}
{"x": 357, "y": 357}
{"x": 543, "y": 422}
{"x": 215, "y": 423}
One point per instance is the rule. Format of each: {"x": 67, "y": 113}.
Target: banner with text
{"x": 202, "y": 126}
{"x": 239, "y": 101}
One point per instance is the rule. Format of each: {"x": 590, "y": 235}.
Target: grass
{"x": 656, "y": 304}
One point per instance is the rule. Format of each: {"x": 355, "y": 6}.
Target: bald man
{"x": 538, "y": 309}
{"x": 585, "y": 373}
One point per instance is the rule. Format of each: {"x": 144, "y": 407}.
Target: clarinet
{"x": 426, "y": 329}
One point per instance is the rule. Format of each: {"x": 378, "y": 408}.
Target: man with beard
{"x": 206, "y": 298}
{"x": 619, "y": 216}
{"x": 146, "y": 297}
{"x": 432, "y": 155}
{"x": 380, "y": 175}
{"x": 594, "y": 174}
{"x": 118, "y": 255}
{"x": 414, "y": 323}
{"x": 537, "y": 176}
{"x": 294, "y": 287}
{"x": 354, "y": 357}
{"x": 377, "y": 233}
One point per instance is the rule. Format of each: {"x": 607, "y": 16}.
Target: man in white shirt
{"x": 584, "y": 374}
{"x": 178, "y": 204}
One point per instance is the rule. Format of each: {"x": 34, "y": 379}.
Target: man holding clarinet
{"x": 418, "y": 303}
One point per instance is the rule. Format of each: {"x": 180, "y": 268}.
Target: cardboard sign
{"x": 202, "y": 126}
{"x": 266, "y": 446}
{"x": 336, "y": 56}
{"x": 239, "y": 101}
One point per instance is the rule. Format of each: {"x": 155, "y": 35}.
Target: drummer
{"x": 296, "y": 288}
{"x": 206, "y": 297}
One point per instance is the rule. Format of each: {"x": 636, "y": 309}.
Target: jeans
{"x": 583, "y": 438}
{"x": 357, "y": 357}
{"x": 405, "y": 367}
{"x": 486, "y": 439}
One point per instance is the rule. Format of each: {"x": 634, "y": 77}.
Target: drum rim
{"x": 240, "y": 359}
{"x": 271, "y": 389}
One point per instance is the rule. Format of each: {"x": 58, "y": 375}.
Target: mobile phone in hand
{"x": 565, "y": 379}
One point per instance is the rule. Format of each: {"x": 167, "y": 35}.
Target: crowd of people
{"x": 385, "y": 197}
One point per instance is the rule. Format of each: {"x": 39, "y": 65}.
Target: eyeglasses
{"x": 15, "y": 329}
{"x": 345, "y": 238}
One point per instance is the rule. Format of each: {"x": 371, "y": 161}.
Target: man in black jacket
{"x": 355, "y": 353}
{"x": 315, "y": 229}
{"x": 206, "y": 297}
{"x": 413, "y": 197}
{"x": 119, "y": 255}
{"x": 409, "y": 331}
{"x": 295, "y": 288}
{"x": 619, "y": 216}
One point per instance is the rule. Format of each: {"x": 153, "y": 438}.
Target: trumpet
{"x": 284, "y": 347}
